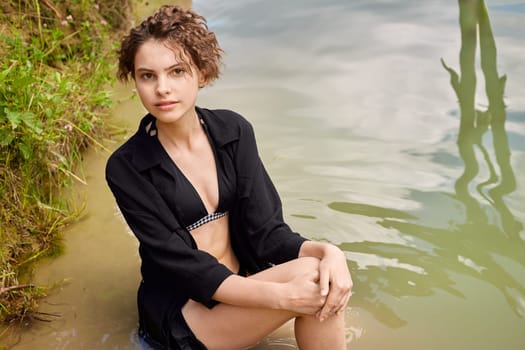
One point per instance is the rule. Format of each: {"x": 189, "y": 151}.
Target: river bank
{"x": 54, "y": 100}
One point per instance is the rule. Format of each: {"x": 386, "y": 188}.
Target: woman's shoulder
{"x": 125, "y": 150}
{"x": 139, "y": 150}
{"x": 226, "y": 125}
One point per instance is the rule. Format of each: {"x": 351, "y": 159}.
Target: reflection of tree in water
{"x": 470, "y": 248}
{"x": 475, "y": 123}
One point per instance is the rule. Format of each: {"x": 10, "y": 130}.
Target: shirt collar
{"x": 149, "y": 152}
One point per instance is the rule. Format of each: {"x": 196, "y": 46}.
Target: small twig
{"x": 69, "y": 173}
{"x": 44, "y": 316}
{"x": 53, "y": 8}
{"x": 20, "y": 286}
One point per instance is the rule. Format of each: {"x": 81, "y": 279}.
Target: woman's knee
{"x": 308, "y": 263}
{"x": 303, "y": 266}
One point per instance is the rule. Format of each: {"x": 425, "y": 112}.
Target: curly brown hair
{"x": 182, "y": 30}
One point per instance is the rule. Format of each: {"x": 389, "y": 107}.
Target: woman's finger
{"x": 343, "y": 305}
{"x": 324, "y": 280}
{"x": 337, "y": 299}
{"x": 331, "y": 305}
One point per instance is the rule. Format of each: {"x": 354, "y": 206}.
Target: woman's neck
{"x": 180, "y": 134}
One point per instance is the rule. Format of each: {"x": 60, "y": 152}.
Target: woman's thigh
{"x": 234, "y": 327}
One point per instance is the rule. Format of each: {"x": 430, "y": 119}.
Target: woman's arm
{"x": 321, "y": 288}
{"x": 334, "y": 277}
{"x": 292, "y": 286}
{"x": 271, "y": 240}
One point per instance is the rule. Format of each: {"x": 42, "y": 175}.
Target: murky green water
{"x": 374, "y": 146}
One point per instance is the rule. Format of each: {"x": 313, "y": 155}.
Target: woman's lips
{"x": 165, "y": 105}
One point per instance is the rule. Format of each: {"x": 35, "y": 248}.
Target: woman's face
{"x": 167, "y": 85}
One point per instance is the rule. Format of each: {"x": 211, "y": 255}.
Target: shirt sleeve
{"x": 270, "y": 237}
{"x": 164, "y": 245}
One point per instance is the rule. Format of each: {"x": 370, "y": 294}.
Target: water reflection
{"x": 475, "y": 123}
{"x": 481, "y": 245}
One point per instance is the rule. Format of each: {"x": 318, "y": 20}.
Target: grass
{"x": 57, "y": 65}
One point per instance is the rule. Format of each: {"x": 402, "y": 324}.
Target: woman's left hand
{"x": 335, "y": 282}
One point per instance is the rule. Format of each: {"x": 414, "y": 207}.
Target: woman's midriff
{"x": 214, "y": 238}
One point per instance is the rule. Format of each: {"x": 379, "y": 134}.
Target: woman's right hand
{"x": 302, "y": 294}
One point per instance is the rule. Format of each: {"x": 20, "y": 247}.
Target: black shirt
{"x": 190, "y": 209}
{"x": 141, "y": 174}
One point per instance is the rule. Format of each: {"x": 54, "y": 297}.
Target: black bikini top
{"x": 191, "y": 210}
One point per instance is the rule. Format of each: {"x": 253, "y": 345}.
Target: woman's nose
{"x": 163, "y": 86}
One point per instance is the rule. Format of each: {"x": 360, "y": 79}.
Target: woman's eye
{"x": 178, "y": 71}
{"x": 146, "y": 76}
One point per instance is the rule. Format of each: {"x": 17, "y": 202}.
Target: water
{"x": 359, "y": 125}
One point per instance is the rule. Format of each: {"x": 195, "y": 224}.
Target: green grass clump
{"x": 55, "y": 71}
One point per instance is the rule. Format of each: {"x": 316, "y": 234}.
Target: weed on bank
{"x": 55, "y": 72}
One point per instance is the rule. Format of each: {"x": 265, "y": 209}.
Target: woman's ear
{"x": 202, "y": 80}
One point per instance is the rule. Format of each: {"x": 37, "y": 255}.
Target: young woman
{"x": 220, "y": 268}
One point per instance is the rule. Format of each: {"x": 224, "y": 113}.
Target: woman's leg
{"x": 231, "y": 327}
